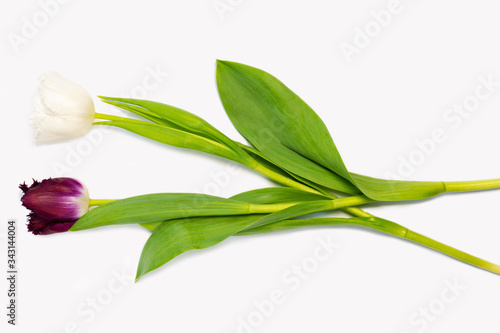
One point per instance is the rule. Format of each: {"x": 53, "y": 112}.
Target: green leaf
{"x": 175, "y": 137}
{"x": 290, "y": 134}
{"x": 261, "y": 159}
{"x": 159, "y": 207}
{"x": 397, "y": 190}
{"x": 184, "y": 121}
{"x": 293, "y": 224}
{"x": 277, "y": 122}
{"x": 280, "y": 125}
{"x": 174, "y": 237}
{"x": 177, "y": 118}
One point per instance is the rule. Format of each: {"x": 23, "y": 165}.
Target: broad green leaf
{"x": 174, "y": 237}
{"x": 159, "y": 207}
{"x": 177, "y": 138}
{"x": 280, "y": 125}
{"x": 289, "y": 133}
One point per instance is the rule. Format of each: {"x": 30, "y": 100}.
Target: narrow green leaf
{"x": 293, "y": 224}
{"x": 159, "y": 207}
{"x": 140, "y": 111}
{"x": 177, "y": 138}
{"x": 177, "y": 118}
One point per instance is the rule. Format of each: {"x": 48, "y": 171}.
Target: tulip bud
{"x": 63, "y": 110}
{"x": 55, "y": 204}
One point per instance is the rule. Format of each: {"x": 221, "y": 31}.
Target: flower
{"x": 55, "y": 204}
{"x": 63, "y": 110}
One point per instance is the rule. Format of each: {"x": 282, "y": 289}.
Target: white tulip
{"x": 63, "y": 110}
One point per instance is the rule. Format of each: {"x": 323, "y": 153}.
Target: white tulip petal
{"x": 63, "y": 110}
{"x": 53, "y": 128}
{"x": 62, "y": 96}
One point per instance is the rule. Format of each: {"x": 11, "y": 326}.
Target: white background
{"x": 395, "y": 91}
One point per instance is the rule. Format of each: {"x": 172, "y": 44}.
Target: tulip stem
{"x": 476, "y": 185}
{"x": 381, "y": 225}
{"x": 288, "y": 181}
{"x": 103, "y": 116}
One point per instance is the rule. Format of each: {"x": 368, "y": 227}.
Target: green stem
{"x": 354, "y": 211}
{"x": 358, "y": 212}
{"x": 452, "y": 252}
{"x": 380, "y": 225}
{"x": 111, "y": 117}
{"x": 282, "y": 179}
{"x": 477, "y": 185}
{"x": 351, "y": 201}
{"x": 267, "y": 208}
{"x": 335, "y": 204}
{"x": 397, "y": 230}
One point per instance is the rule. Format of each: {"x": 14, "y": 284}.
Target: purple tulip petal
{"x": 57, "y": 199}
{"x": 39, "y": 226}
{"x": 55, "y": 204}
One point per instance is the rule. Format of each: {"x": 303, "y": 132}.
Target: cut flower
{"x": 55, "y": 204}
{"x": 290, "y": 144}
{"x": 63, "y": 110}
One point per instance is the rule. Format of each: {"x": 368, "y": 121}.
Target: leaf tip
{"x": 139, "y": 274}
{"x": 225, "y": 63}
{"x": 105, "y": 98}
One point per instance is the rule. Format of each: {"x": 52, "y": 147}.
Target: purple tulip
{"x": 55, "y": 204}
